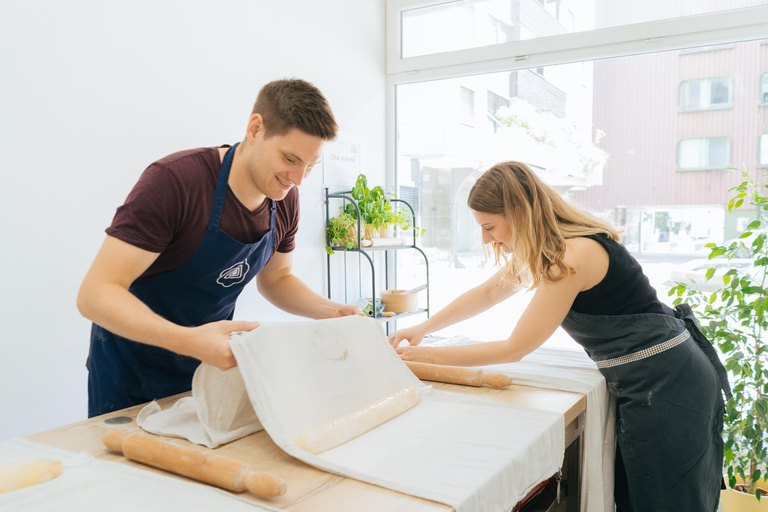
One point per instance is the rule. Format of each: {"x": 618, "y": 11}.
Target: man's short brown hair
{"x": 294, "y": 103}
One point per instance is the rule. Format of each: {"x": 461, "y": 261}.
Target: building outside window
{"x": 704, "y": 153}
{"x": 705, "y": 93}
{"x": 610, "y": 134}
{"x": 495, "y": 102}
{"x": 467, "y": 107}
{"x": 764, "y": 88}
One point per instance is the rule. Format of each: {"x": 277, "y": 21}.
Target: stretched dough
{"x": 351, "y": 425}
{"x": 29, "y": 472}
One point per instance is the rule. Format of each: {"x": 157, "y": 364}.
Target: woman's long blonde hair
{"x": 540, "y": 219}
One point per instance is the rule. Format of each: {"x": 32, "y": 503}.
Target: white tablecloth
{"x": 467, "y": 452}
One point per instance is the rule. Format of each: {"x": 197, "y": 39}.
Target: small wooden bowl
{"x": 395, "y": 302}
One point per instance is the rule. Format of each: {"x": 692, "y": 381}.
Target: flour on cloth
{"x": 218, "y": 411}
{"x": 571, "y": 370}
{"x": 461, "y": 450}
{"x": 88, "y": 484}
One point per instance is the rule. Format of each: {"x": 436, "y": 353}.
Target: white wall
{"x": 91, "y": 93}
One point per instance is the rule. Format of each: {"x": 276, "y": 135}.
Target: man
{"x": 197, "y": 226}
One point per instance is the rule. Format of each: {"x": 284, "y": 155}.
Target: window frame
{"x": 706, "y": 166}
{"x": 760, "y": 143}
{"x": 720, "y": 27}
{"x": 709, "y": 106}
{"x": 764, "y": 88}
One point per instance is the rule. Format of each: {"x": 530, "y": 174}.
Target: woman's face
{"x": 495, "y": 229}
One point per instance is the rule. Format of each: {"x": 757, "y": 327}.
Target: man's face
{"x": 280, "y": 162}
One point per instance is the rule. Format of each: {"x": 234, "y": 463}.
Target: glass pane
{"x": 608, "y": 135}
{"x": 718, "y": 152}
{"x": 690, "y": 95}
{"x": 764, "y": 89}
{"x": 763, "y": 149}
{"x": 689, "y": 154}
{"x": 720, "y": 91}
{"x": 458, "y": 25}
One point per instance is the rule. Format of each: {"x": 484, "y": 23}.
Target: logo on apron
{"x": 234, "y": 274}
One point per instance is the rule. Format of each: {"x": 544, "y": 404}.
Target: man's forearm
{"x": 290, "y": 294}
{"x": 120, "y": 312}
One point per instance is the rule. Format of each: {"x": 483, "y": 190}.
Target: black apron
{"x": 203, "y": 289}
{"x": 667, "y": 379}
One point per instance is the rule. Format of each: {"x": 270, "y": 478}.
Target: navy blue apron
{"x": 667, "y": 379}
{"x": 123, "y": 373}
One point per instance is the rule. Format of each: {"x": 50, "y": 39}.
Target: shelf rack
{"x": 360, "y": 249}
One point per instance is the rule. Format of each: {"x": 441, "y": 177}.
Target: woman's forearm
{"x": 469, "y": 304}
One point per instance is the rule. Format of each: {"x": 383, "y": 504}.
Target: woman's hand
{"x": 413, "y": 335}
{"x": 418, "y": 354}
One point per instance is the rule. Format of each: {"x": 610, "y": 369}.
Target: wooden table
{"x": 313, "y": 490}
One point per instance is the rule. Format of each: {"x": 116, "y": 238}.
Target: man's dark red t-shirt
{"x": 168, "y": 209}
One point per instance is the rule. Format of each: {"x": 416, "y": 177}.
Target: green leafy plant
{"x": 734, "y": 318}
{"x": 377, "y": 215}
{"x": 342, "y": 232}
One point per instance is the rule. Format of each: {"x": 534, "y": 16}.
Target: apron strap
{"x": 221, "y": 188}
{"x": 684, "y": 312}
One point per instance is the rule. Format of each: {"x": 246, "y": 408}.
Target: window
{"x": 467, "y": 115}
{"x": 705, "y": 153}
{"x": 444, "y": 26}
{"x": 762, "y": 160}
{"x": 495, "y": 102}
{"x": 705, "y": 93}
{"x": 596, "y": 113}
{"x": 764, "y": 89}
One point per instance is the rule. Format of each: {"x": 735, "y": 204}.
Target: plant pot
{"x": 397, "y": 302}
{"x": 736, "y": 501}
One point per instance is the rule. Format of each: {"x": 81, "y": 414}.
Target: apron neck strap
{"x": 221, "y": 188}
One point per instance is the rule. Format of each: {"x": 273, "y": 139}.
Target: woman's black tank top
{"x": 624, "y": 290}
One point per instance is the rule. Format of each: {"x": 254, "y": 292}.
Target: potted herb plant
{"x": 735, "y": 318}
{"x": 378, "y": 218}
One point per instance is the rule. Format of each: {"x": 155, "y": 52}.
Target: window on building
{"x": 763, "y": 157}
{"x": 705, "y": 93}
{"x": 704, "y": 153}
{"x": 467, "y": 112}
{"x": 764, "y": 88}
{"x": 495, "y": 102}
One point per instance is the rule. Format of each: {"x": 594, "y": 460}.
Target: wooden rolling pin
{"x": 29, "y": 472}
{"x": 212, "y": 469}
{"x": 458, "y": 375}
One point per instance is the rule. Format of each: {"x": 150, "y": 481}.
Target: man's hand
{"x": 349, "y": 310}
{"x": 210, "y": 342}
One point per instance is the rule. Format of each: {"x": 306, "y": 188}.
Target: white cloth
{"x": 572, "y": 370}
{"x": 87, "y": 484}
{"x": 467, "y": 452}
{"x": 218, "y": 411}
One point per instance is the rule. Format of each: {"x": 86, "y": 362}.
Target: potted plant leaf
{"x": 378, "y": 218}
{"x": 734, "y": 317}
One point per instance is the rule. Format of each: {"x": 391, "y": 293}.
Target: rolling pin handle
{"x": 496, "y": 380}
{"x": 114, "y": 440}
{"x": 264, "y": 484}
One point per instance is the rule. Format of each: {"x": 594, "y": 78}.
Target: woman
{"x": 663, "y": 371}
